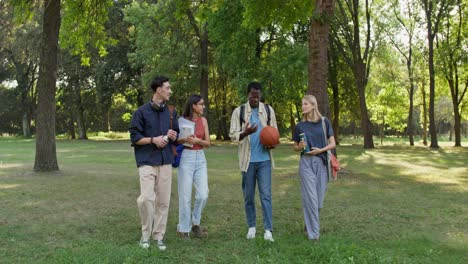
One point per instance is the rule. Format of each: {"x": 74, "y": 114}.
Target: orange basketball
{"x": 269, "y": 136}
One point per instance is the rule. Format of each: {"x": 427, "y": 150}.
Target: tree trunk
{"x": 71, "y": 127}
{"x": 365, "y": 122}
{"x": 428, "y": 8}
{"x": 204, "y": 68}
{"x": 292, "y": 121}
{"x": 411, "y": 101}
{"x": 336, "y": 97}
{"x": 219, "y": 104}
{"x": 457, "y": 120}
{"x": 46, "y": 155}
{"x": 140, "y": 96}
{"x": 432, "y": 123}
{"x": 225, "y": 111}
{"x": 80, "y": 120}
{"x": 424, "y": 135}
{"x": 81, "y": 123}
{"x": 318, "y": 58}
{"x": 26, "y": 125}
{"x": 382, "y": 129}
{"x": 22, "y": 78}
{"x": 202, "y": 34}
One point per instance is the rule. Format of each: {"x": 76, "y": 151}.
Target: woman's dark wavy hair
{"x": 193, "y": 99}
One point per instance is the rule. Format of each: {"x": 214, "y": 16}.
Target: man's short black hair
{"x": 254, "y": 85}
{"x": 158, "y": 82}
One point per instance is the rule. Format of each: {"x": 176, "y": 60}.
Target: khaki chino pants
{"x": 153, "y": 202}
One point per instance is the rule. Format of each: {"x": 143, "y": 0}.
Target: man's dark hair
{"x": 158, "y": 82}
{"x": 254, "y": 85}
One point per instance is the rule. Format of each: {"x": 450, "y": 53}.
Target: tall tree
{"x": 407, "y": 18}
{"x": 157, "y": 25}
{"x": 75, "y": 79}
{"x": 450, "y": 43}
{"x": 78, "y": 36}
{"x": 46, "y": 156}
{"x": 318, "y": 59}
{"x": 434, "y": 11}
{"x": 200, "y": 26}
{"x": 20, "y": 49}
{"x": 347, "y": 35}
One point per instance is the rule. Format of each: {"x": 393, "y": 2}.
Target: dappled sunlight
{"x": 76, "y": 156}
{"x": 456, "y": 237}
{"x": 290, "y": 158}
{"x": 129, "y": 150}
{"x": 10, "y": 165}
{"x": 9, "y": 186}
{"x": 423, "y": 171}
{"x": 284, "y": 189}
{"x": 449, "y": 178}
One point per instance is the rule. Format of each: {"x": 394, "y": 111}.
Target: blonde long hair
{"x": 314, "y": 115}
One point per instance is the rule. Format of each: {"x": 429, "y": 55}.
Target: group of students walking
{"x": 154, "y": 129}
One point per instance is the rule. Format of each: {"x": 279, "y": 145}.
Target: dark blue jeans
{"x": 258, "y": 172}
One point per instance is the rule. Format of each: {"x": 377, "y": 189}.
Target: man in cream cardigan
{"x": 255, "y": 160}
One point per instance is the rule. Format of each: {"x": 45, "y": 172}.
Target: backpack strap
{"x": 267, "y": 108}
{"x": 324, "y": 131}
{"x": 241, "y": 115}
{"x": 242, "y": 110}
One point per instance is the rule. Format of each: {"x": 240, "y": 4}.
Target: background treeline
{"x": 378, "y": 59}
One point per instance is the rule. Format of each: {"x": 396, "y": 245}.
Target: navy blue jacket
{"x": 146, "y": 122}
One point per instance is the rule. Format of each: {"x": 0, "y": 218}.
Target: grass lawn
{"x": 392, "y": 204}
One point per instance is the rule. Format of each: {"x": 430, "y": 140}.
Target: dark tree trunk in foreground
{"x": 46, "y": 155}
{"x": 318, "y": 54}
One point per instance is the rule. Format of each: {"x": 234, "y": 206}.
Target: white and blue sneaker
{"x": 160, "y": 245}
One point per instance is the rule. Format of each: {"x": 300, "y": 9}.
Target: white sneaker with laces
{"x": 144, "y": 244}
{"x": 251, "y": 233}
{"x": 268, "y": 236}
{"x": 160, "y": 245}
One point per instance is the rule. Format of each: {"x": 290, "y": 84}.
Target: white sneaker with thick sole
{"x": 144, "y": 244}
{"x": 251, "y": 233}
{"x": 268, "y": 236}
{"x": 160, "y": 245}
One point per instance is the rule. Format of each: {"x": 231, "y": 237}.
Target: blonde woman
{"x": 310, "y": 140}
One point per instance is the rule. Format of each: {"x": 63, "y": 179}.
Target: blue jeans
{"x": 258, "y": 172}
{"x": 192, "y": 170}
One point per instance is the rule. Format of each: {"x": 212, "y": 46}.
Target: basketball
{"x": 269, "y": 136}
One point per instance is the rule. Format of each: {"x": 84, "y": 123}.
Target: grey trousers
{"x": 314, "y": 182}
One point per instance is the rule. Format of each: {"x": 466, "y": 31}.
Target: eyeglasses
{"x": 202, "y": 104}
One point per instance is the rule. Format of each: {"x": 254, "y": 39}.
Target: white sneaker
{"x": 160, "y": 245}
{"x": 251, "y": 233}
{"x": 144, "y": 244}
{"x": 268, "y": 236}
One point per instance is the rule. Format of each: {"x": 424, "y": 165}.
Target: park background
{"x": 390, "y": 75}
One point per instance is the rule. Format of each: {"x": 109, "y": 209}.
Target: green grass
{"x": 392, "y": 204}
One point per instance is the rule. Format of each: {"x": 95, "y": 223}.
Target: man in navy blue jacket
{"x": 152, "y": 136}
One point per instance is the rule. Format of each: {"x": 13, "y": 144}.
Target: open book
{"x": 187, "y": 128}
